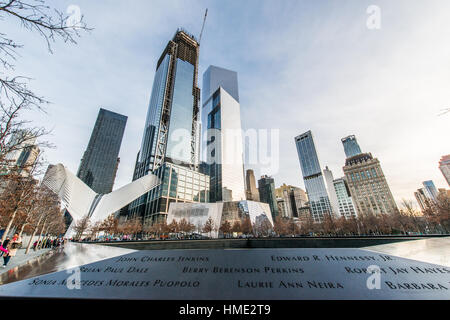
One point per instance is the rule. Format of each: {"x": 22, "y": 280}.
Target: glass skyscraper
{"x": 215, "y": 77}
{"x": 99, "y": 164}
{"x": 351, "y": 146}
{"x": 345, "y": 203}
{"x": 266, "y": 187}
{"x": 222, "y": 135}
{"x": 170, "y": 143}
{"x": 430, "y": 190}
{"x": 312, "y": 175}
{"x": 422, "y": 199}
{"x": 178, "y": 184}
{"x": 329, "y": 180}
{"x": 170, "y": 132}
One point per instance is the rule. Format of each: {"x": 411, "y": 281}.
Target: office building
{"x": 293, "y": 198}
{"x": 422, "y": 199}
{"x": 368, "y": 186}
{"x": 283, "y": 208}
{"x": 340, "y": 198}
{"x": 266, "y": 187}
{"x": 430, "y": 190}
{"x": 98, "y": 166}
{"x": 171, "y": 132}
{"x": 222, "y": 135}
{"x": 329, "y": 180}
{"x": 345, "y": 203}
{"x": 171, "y": 126}
{"x": 252, "y": 192}
{"x": 178, "y": 184}
{"x": 351, "y": 146}
{"x": 444, "y": 166}
{"x": 319, "y": 201}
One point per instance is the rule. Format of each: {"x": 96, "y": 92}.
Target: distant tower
{"x": 23, "y": 154}
{"x": 99, "y": 163}
{"x": 331, "y": 191}
{"x": 222, "y": 135}
{"x": 252, "y": 191}
{"x": 293, "y": 199}
{"x": 266, "y": 186}
{"x": 312, "y": 176}
{"x": 345, "y": 202}
{"x": 444, "y": 166}
{"x": 430, "y": 190}
{"x": 351, "y": 146}
{"x": 368, "y": 186}
{"x": 422, "y": 199}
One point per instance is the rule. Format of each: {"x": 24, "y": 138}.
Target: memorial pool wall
{"x": 301, "y": 242}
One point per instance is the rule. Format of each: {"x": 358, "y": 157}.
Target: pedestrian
{"x": 13, "y": 246}
{"x": 4, "y": 246}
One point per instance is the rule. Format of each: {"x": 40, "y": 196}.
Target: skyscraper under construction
{"x": 170, "y": 143}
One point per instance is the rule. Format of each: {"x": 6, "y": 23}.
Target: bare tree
{"x": 131, "y": 227}
{"x": 208, "y": 226}
{"x": 292, "y": 227}
{"x": 161, "y": 228}
{"x": 94, "y": 229}
{"x": 328, "y": 224}
{"x": 18, "y": 192}
{"x": 438, "y": 213}
{"x": 57, "y": 226}
{"x": 237, "y": 227}
{"x": 308, "y": 226}
{"x": 173, "y": 227}
{"x": 81, "y": 227}
{"x": 185, "y": 226}
{"x": 15, "y": 96}
{"x": 43, "y": 200}
{"x": 281, "y": 226}
{"x": 110, "y": 225}
{"x": 225, "y": 228}
{"x": 247, "y": 227}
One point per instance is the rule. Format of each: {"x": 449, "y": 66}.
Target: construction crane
{"x": 203, "y": 26}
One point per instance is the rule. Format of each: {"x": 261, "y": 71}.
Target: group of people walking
{"x": 48, "y": 243}
{"x": 9, "y": 248}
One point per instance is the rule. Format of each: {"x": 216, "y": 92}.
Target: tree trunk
{"x": 21, "y": 229}
{"x": 34, "y": 233}
{"x": 44, "y": 242}
{"x": 40, "y": 234}
{"x": 8, "y": 227}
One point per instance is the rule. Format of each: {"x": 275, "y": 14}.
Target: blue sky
{"x": 302, "y": 65}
